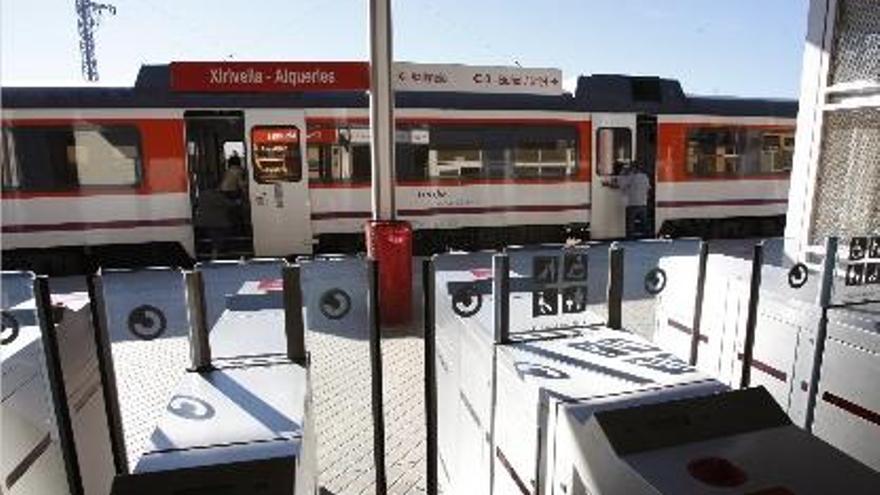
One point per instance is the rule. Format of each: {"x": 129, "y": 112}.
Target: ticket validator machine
{"x": 537, "y": 394}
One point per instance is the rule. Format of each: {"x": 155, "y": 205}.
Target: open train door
{"x": 613, "y": 145}
{"x": 279, "y": 189}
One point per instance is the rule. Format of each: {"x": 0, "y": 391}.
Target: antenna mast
{"x": 88, "y": 18}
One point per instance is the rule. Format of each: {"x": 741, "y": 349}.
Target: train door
{"x": 646, "y": 157}
{"x": 221, "y": 219}
{"x": 613, "y": 145}
{"x": 279, "y": 189}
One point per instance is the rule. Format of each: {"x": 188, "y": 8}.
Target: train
{"x": 118, "y": 174}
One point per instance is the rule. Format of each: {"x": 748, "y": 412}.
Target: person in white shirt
{"x": 635, "y": 185}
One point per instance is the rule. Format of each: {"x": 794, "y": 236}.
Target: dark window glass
{"x": 360, "y": 163}
{"x": 411, "y": 160}
{"x": 276, "y": 154}
{"x": 65, "y": 158}
{"x": 452, "y": 151}
{"x": 741, "y": 151}
{"x": 613, "y": 149}
{"x": 502, "y": 151}
{"x": 322, "y": 162}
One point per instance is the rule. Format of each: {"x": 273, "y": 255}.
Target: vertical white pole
{"x": 381, "y": 110}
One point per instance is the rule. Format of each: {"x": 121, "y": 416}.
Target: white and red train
{"x": 120, "y": 172}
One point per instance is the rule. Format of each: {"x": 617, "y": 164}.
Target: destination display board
{"x": 477, "y": 79}
{"x": 268, "y": 77}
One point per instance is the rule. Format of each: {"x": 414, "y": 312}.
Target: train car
{"x": 129, "y": 175}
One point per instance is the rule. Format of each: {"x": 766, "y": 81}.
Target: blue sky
{"x": 730, "y": 47}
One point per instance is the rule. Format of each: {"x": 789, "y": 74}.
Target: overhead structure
{"x": 88, "y": 17}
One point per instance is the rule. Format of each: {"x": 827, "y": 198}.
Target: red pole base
{"x": 389, "y": 242}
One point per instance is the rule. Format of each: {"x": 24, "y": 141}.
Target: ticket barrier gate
{"x": 815, "y": 337}
{"x": 231, "y": 425}
{"x": 54, "y": 430}
{"x": 238, "y": 422}
{"x": 531, "y": 400}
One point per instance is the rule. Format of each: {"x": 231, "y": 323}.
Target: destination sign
{"x": 476, "y": 79}
{"x": 269, "y": 76}
{"x": 263, "y": 77}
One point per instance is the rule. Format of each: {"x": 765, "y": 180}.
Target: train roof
{"x": 596, "y": 93}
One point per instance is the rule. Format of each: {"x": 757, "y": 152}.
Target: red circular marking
{"x": 717, "y": 471}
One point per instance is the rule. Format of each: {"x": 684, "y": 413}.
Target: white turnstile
{"x": 790, "y": 321}
{"x": 55, "y": 437}
{"x": 533, "y": 401}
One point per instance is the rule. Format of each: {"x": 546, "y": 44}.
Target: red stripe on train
{"x": 721, "y": 202}
{"x": 455, "y": 210}
{"x": 112, "y": 224}
{"x": 456, "y": 183}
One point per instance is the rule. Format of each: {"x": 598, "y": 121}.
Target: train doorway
{"x": 613, "y": 144}
{"x": 218, "y": 178}
{"x": 646, "y": 158}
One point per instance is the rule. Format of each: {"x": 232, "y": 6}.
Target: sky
{"x": 714, "y": 47}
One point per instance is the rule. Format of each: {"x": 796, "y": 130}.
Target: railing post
{"x": 430, "y": 376}
{"x": 752, "y": 317}
{"x": 294, "y": 328}
{"x": 501, "y": 290}
{"x": 698, "y": 303}
{"x": 107, "y": 370}
{"x": 826, "y": 284}
{"x": 196, "y": 310}
{"x": 615, "y": 286}
{"x": 57, "y": 387}
{"x": 376, "y": 373}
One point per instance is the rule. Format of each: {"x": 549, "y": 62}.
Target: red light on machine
{"x": 389, "y": 242}
{"x": 717, "y": 471}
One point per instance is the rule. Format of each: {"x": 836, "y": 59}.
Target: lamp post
{"x": 389, "y": 241}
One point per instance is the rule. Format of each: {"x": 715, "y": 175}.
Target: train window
{"x": 65, "y": 158}
{"x": 276, "y": 154}
{"x": 449, "y": 152}
{"x": 613, "y": 149}
{"x": 411, "y": 160}
{"x": 739, "y": 151}
{"x": 107, "y": 156}
{"x": 777, "y": 152}
{"x": 544, "y": 156}
{"x": 8, "y": 172}
{"x": 232, "y": 148}
{"x": 323, "y": 154}
{"x": 502, "y": 151}
{"x": 361, "y": 169}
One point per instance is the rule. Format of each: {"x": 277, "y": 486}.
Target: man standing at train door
{"x": 635, "y": 184}
{"x": 234, "y": 187}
